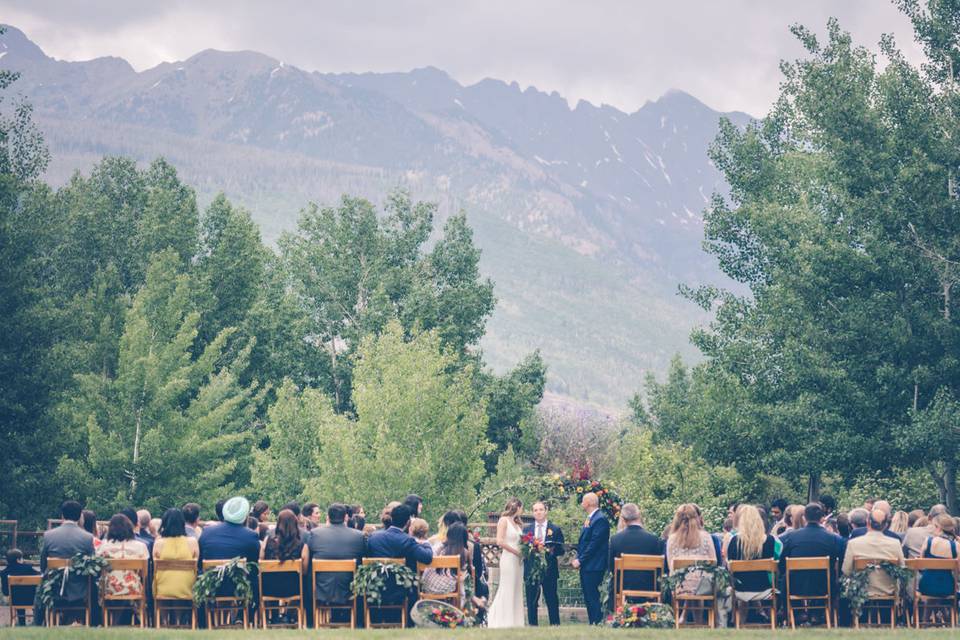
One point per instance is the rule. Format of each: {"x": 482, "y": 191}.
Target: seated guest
{"x": 261, "y": 511}
{"x": 633, "y": 539}
{"x": 913, "y": 516}
{"x": 777, "y": 509}
{"x": 688, "y": 540}
{"x": 448, "y": 518}
{"x": 357, "y": 523}
{"x": 395, "y": 542}
{"x": 859, "y": 531}
{"x": 444, "y": 580}
{"x": 142, "y": 528}
{"x": 916, "y": 537}
{"x": 191, "y": 518}
{"x": 89, "y": 524}
{"x": 420, "y": 530}
{"x": 66, "y": 541}
{"x": 16, "y": 567}
{"x": 942, "y": 543}
{"x": 899, "y": 523}
{"x": 829, "y": 504}
{"x": 230, "y": 539}
{"x": 843, "y": 525}
{"x": 751, "y": 542}
{"x": 311, "y": 515}
{"x": 811, "y": 541}
{"x": 335, "y": 541}
{"x": 481, "y": 588}
{"x": 385, "y": 514}
{"x": 120, "y": 544}
{"x": 873, "y": 545}
{"x": 286, "y": 544}
{"x": 415, "y": 504}
{"x": 794, "y": 519}
{"x": 218, "y": 509}
{"x": 174, "y": 543}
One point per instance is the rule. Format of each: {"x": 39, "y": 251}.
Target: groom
{"x": 591, "y": 560}
{"x": 552, "y": 537}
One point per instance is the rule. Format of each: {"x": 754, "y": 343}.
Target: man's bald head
{"x": 936, "y": 510}
{"x": 878, "y": 520}
{"x": 883, "y": 505}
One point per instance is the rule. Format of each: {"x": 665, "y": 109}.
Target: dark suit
{"x": 335, "y": 542}
{"x": 859, "y": 531}
{"x": 226, "y": 541}
{"x": 810, "y": 542}
{"x": 634, "y": 540}
{"x": 553, "y": 539}
{"x": 394, "y": 543}
{"x": 592, "y": 551}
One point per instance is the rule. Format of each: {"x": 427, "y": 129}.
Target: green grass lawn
{"x": 569, "y": 632}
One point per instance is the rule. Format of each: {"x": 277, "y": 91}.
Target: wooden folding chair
{"x": 55, "y": 613}
{"x": 449, "y": 563}
{"x": 275, "y": 604}
{"x": 402, "y": 607}
{"x": 615, "y": 580}
{"x": 811, "y": 603}
{"x": 742, "y": 608}
{"x": 630, "y": 562}
{"x": 924, "y": 605}
{"x": 136, "y": 605}
{"x": 875, "y": 606}
{"x": 323, "y": 613}
{"x": 225, "y": 612}
{"x": 22, "y": 589}
{"x": 173, "y": 608}
{"x": 694, "y": 604}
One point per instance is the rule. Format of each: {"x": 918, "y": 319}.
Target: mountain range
{"x": 589, "y": 217}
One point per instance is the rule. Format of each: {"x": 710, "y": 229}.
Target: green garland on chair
{"x": 81, "y": 565}
{"x": 855, "y": 587}
{"x": 719, "y": 574}
{"x": 371, "y": 580}
{"x": 239, "y": 573}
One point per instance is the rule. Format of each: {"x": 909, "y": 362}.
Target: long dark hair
{"x": 456, "y": 543}
{"x": 173, "y": 524}
{"x": 287, "y": 535}
{"x": 90, "y": 522}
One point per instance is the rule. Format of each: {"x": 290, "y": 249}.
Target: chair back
{"x": 57, "y": 563}
{"x": 384, "y": 560}
{"x": 636, "y": 562}
{"x": 213, "y": 564}
{"x": 334, "y": 566}
{"x": 683, "y": 563}
{"x": 281, "y": 566}
{"x": 859, "y": 564}
{"x": 23, "y": 585}
{"x": 768, "y": 564}
{"x": 175, "y": 565}
{"x": 819, "y": 563}
{"x": 441, "y": 562}
{"x": 128, "y": 564}
{"x": 935, "y": 564}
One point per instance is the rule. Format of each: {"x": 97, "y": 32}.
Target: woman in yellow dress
{"x": 174, "y": 544}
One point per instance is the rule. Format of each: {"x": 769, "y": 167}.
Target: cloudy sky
{"x": 725, "y": 52}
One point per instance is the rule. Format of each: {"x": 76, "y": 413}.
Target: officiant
{"x": 552, "y": 537}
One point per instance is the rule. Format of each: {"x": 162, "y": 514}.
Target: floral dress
{"x": 123, "y": 583}
{"x": 703, "y": 551}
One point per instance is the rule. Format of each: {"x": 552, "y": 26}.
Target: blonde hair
{"x": 419, "y": 528}
{"x": 900, "y": 522}
{"x": 750, "y": 531}
{"x": 512, "y": 509}
{"x": 798, "y": 518}
{"x": 685, "y": 530}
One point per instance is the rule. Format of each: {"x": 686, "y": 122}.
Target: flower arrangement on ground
{"x": 652, "y": 615}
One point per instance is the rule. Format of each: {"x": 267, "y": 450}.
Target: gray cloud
{"x": 616, "y": 52}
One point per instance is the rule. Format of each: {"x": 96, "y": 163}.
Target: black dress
{"x": 751, "y": 581}
{"x": 280, "y": 585}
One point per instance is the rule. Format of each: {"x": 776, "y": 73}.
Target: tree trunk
{"x": 813, "y": 487}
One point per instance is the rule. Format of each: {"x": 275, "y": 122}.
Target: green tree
{"x": 162, "y": 407}
{"x": 512, "y": 400}
{"x": 420, "y": 428}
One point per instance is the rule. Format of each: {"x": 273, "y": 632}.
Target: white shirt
{"x": 540, "y": 530}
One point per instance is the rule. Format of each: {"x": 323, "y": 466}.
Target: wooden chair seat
{"x": 117, "y": 604}
{"x": 165, "y": 608}
{"x": 275, "y": 604}
{"x": 402, "y": 607}
{"x": 448, "y": 563}
{"x": 742, "y": 608}
{"x": 27, "y": 586}
{"x": 695, "y": 604}
{"x": 55, "y": 614}
{"x": 815, "y": 602}
{"x": 225, "y": 612}
{"x": 323, "y": 613}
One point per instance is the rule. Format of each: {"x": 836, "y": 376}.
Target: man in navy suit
{"x": 810, "y": 542}
{"x": 592, "y": 551}
{"x": 395, "y": 542}
{"x": 552, "y": 537}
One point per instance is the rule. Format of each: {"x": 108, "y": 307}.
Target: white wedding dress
{"x": 507, "y": 608}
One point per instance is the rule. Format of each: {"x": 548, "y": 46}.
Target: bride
{"x": 507, "y": 608}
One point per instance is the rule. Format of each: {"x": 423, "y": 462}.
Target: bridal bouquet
{"x": 534, "y": 554}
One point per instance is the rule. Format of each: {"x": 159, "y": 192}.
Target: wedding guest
{"x": 385, "y": 515}
{"x": 941, "y": 543}
{"x": 913, "y": 516}
{"x": 335, "y": 542}
{"x": 444, "y": 580}
{"x": 395, "y": 542}
{"x": 899, "y": 523}
{"x": 481, "y": 588}
{"x": 751, "y": 542}
{"x": 254, "y": 525}
{"x": 829, "y": 504}
{"x": 66, "y": 541}
{"x": 633, "y": 539}
{"x": 89, "y": 522}
{"x": 218, "y": 509}
{"x": 415, "y": 504}
{"x": 811, "y": 542}
{"x": 16, "y": 567}
{"x": 231, "y": 538}
{"x": 191, "y": 517}
{"x": 420, "y": 530}
{"x": 174, "y": 543}
{"x": 260, "y": 511}
{"x": 688, "y": 540}
{"x": 142, "y": 529}
{"x": 873, "y": 545}
{"x": 358, "y": 523}
{"x": 445, "y": 521}
{"x": 311, "y": 515}
{"x": 843, "y": 525}
{"x": 357, "y": 511}
{"x": 777, "y": 508}
{"x": 884, "y": 508}
{"x": 916, "y": 537}
{"x": 155, "y": 527}
{"x": 121, "y": 544}
{"x": 286, "y": 544}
